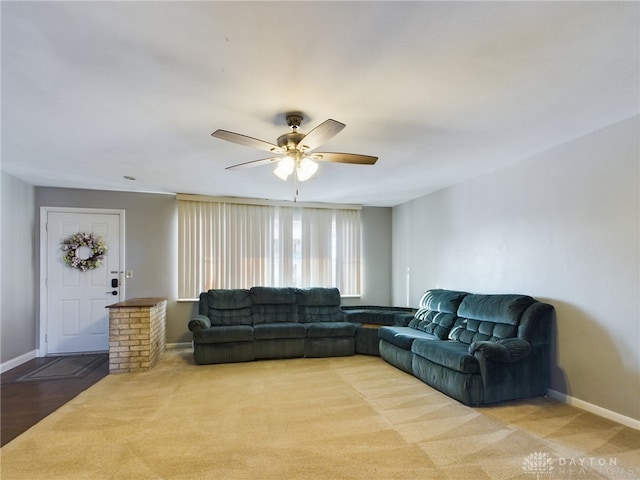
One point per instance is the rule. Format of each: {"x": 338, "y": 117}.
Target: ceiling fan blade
{"x": 323, "y": 132}
{"x": 247, "y": 141}
{"x": 344, "y": 158}
{"x": 254, "y": 163}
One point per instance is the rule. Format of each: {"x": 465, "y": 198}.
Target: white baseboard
{"x": 170, "y": 346}
{"x": 16, "y": 362}
{"x": 595, "y": 409}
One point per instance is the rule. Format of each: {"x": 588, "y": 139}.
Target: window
{"x": 226, "y": 244}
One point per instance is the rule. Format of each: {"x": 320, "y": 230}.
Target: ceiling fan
{"x": 296, "y": 149}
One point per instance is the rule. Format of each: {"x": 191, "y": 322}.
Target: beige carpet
{"x": 333, "y": 418}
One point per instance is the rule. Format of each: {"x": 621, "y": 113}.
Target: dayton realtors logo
{"x": 538, "y": 463}
{"x": 542, "y": 464}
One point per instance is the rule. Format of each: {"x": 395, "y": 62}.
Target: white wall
{"x": 562, "y": 226}
{"x": 18, "y": 310}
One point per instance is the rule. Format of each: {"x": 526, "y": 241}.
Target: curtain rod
{"x": 186, "y": 197}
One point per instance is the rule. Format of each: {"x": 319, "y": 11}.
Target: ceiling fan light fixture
{"x": 297, "y": 149}
{"x": 306, "y": 168}
{"x": 285, "y": 168}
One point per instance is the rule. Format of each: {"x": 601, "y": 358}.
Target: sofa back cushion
{"x": 226, "y": 307}
{"x": 489, "y": 317}
{"x": 437, "y": 312}
{"x": 272, "y": 305}
{"x": 439, "y": 300}
{"x": 319, "y": 305}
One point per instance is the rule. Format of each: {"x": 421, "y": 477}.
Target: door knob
{"x": 115, "y": 292}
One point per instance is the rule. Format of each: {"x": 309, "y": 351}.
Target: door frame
{"x": 43, "y": 323}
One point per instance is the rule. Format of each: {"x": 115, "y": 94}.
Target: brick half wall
{"x": 137, "y": 334}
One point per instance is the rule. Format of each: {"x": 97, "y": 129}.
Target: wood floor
{"x": 23, "y": 404}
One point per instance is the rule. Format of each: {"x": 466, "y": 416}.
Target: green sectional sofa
{"x": 477, "y": 349}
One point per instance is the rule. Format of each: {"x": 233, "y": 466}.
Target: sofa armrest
{"x": 199, "y": 322}
{"x": 508, "y": 350}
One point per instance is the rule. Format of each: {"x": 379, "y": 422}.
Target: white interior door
{"x": 77, "y": 317}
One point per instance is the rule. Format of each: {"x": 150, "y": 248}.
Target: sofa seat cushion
{"x": 224, "y": 334}
{"x": 268, "y": 331}
{"x": 330, "y": 329}
{"x": 403, "y": 337}
{"x": 448, "y": 353}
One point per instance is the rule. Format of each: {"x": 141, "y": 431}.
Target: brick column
{"x": 136, "y": 334}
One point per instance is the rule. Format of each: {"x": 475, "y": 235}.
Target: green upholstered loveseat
{"x": 478, "y": 349}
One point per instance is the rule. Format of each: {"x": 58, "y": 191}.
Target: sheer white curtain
{"x": 233, "y": 245}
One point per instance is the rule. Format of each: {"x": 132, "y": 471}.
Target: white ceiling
{"x": 439, "y": 91}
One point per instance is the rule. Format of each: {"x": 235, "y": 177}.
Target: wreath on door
{"x": 83, "y": 251}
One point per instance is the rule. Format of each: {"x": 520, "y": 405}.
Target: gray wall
{"x": 376, "y": 258}
{"x": 561, "y": 226}
{"x": 151, "y": 252}
{"x": 150, "y": 242}
{"x": 18, "y": 263}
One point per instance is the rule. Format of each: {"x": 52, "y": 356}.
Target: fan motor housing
{"x": 290, "y": 141}
{"x": 294, "y": 119}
